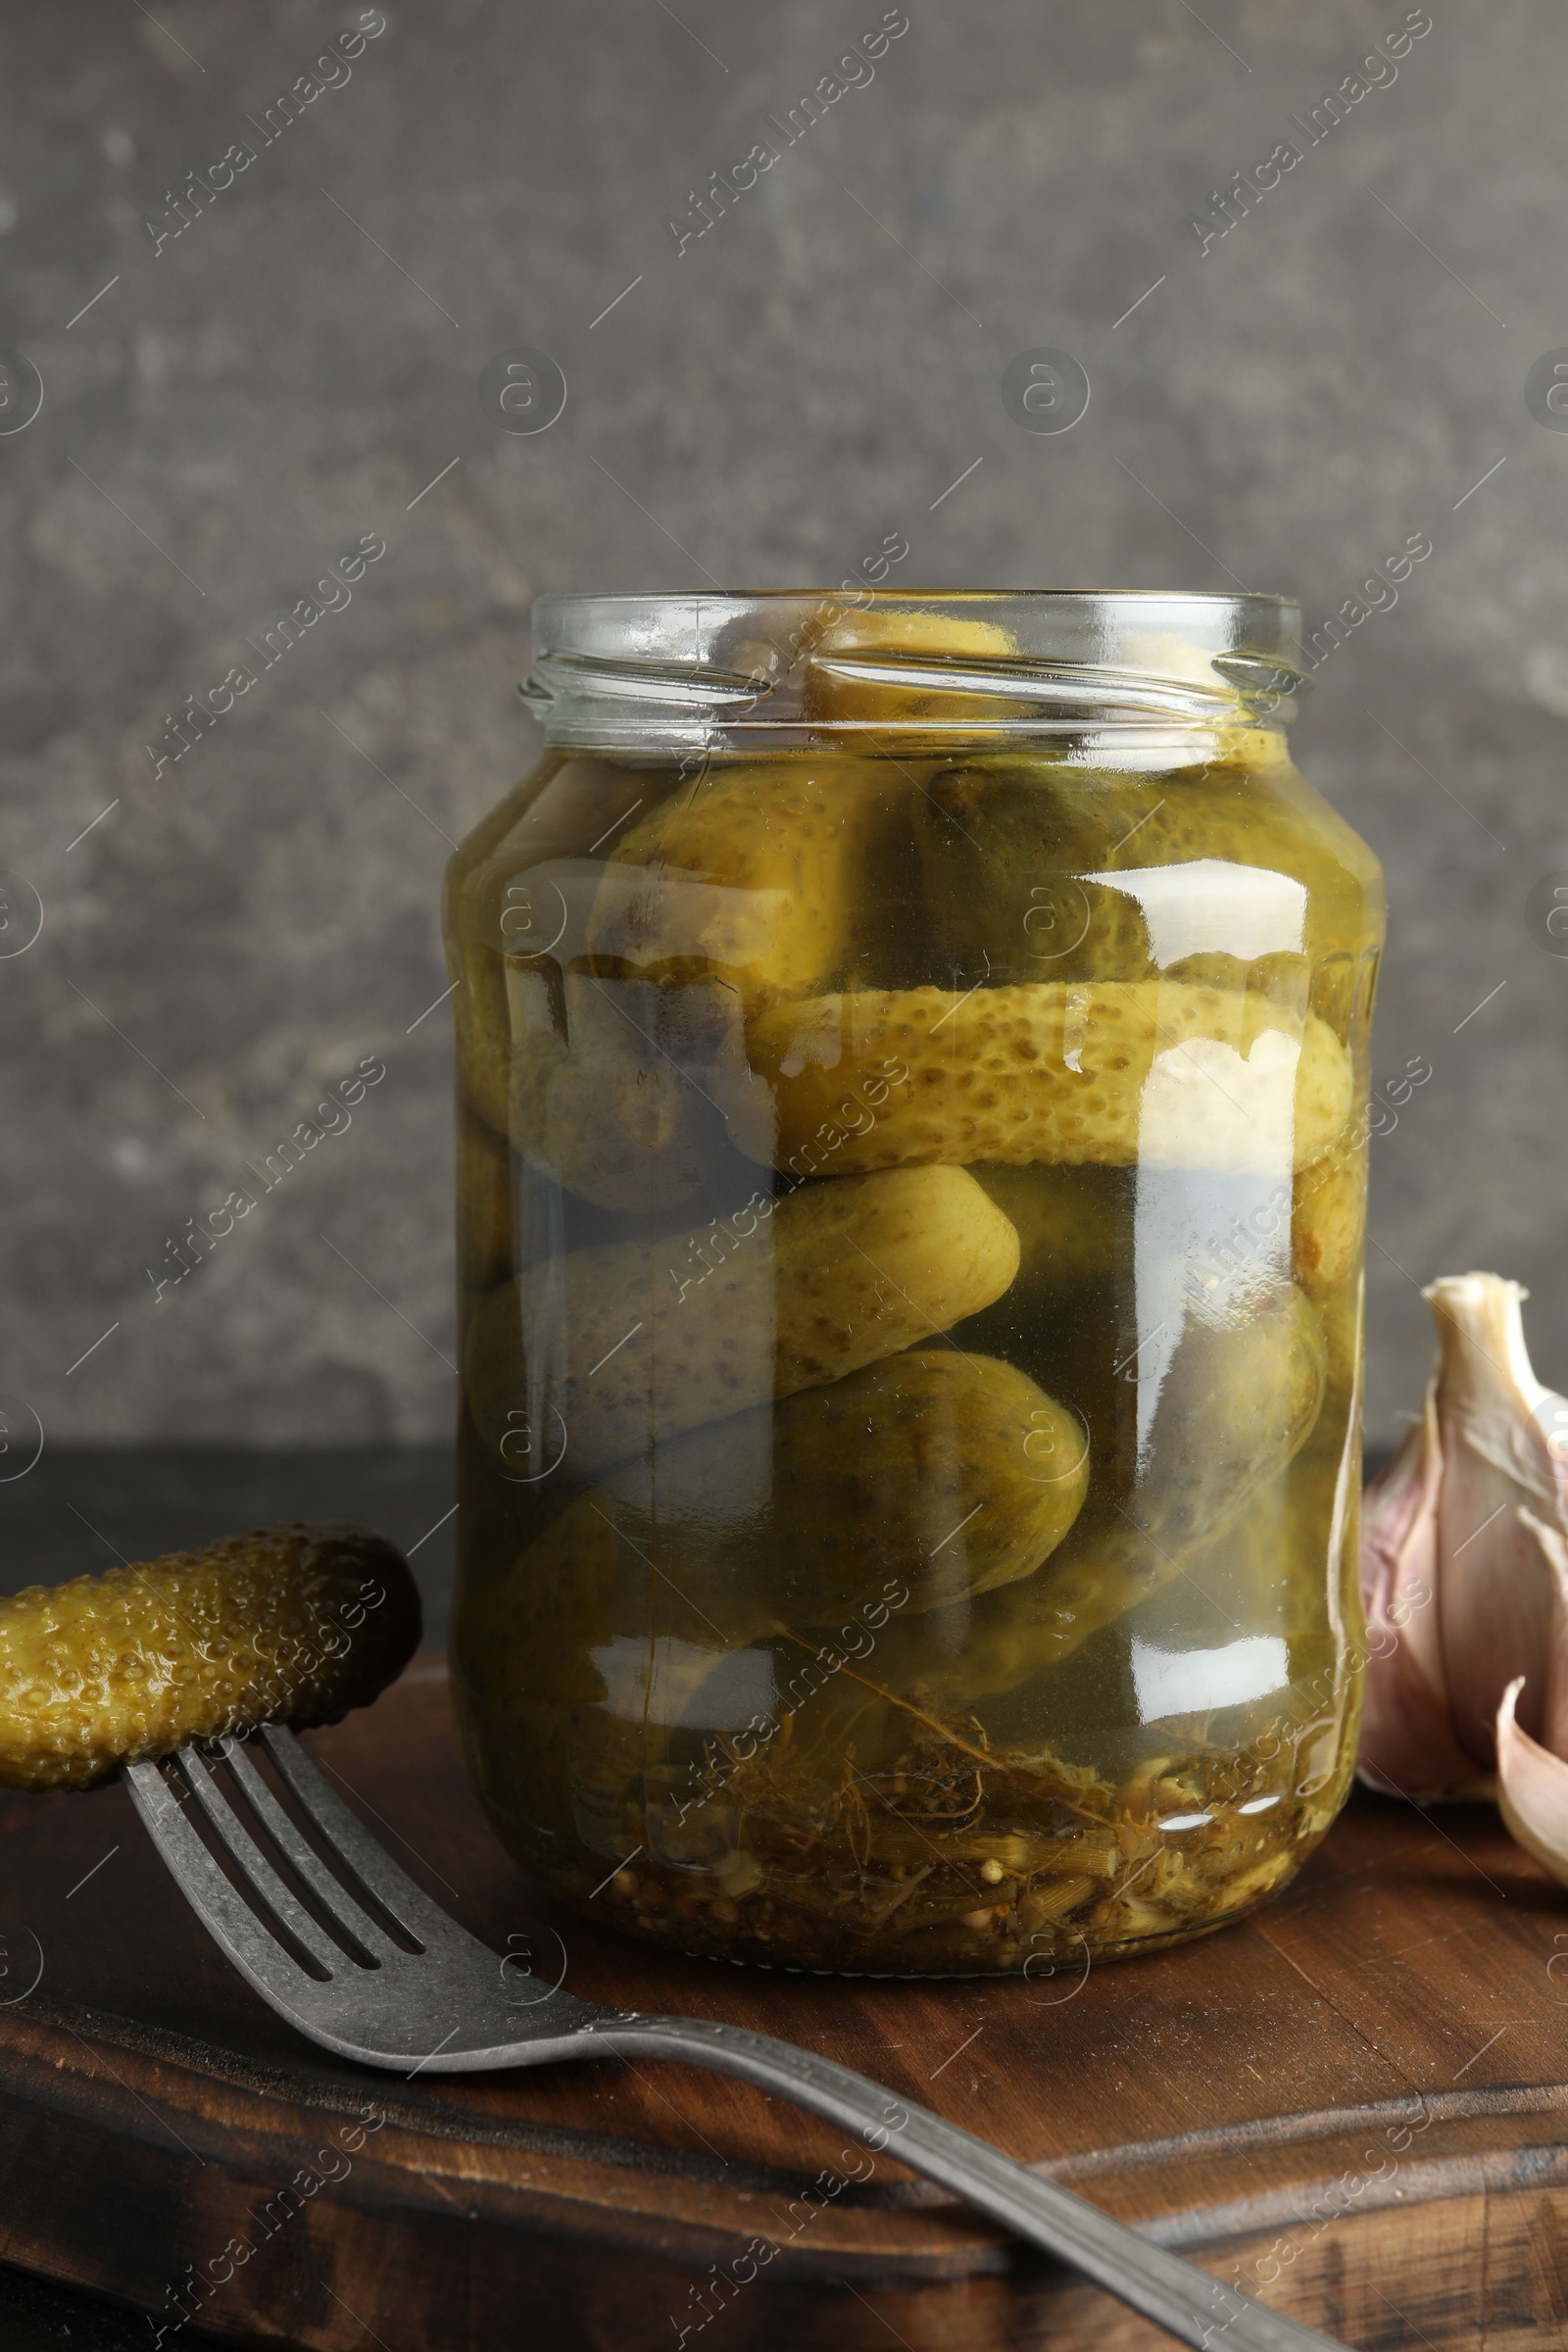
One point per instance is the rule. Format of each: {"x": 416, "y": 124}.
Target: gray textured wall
{"x": 241, "y": 403}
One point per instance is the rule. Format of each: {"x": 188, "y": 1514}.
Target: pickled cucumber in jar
{"x": 913, "y": 1167}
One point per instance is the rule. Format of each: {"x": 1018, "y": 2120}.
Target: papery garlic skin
{"x": 1407, "y": 1742}
{"x": 1495, "y": 1587}
{"x": 1465, "y": 1563}
{"x": 1531, "y": 1791}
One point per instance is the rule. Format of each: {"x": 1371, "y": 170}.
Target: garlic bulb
{"x": 1531, "y": 1791}
{"x": 1464, "y": 1573}
{"x": 1407, "y": 1744}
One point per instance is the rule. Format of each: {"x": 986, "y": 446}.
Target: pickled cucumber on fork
{"x": 1120, "y": 1072}
{"x": 915, "y": 1482}
{"x": 1236, "y": 1405}
{"x": 293, "y": 1624}
{"x": 753, "y": 875}
{"x": 623, "y": 1347}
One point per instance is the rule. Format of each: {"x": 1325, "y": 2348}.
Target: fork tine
{"x": 329, "y": 1891}
{"x": 230, "y": 1921}
{"x": 365, "y": 1855}
{"x": 262, "y": 1878}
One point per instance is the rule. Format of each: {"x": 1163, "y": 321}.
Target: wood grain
{"x": 1354, "y": 2102}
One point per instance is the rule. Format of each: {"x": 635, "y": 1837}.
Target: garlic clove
{"x": 1552, "y": 1668}
{"x": 1531, "y": 1791}
{"x": 1500, "y": 1484}
{"x": 1407, "y": 1742}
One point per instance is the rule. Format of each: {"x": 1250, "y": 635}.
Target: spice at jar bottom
{"x": 913, "y": 1070}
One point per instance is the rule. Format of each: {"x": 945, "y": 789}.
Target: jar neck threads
{"x": 654, "y": 673}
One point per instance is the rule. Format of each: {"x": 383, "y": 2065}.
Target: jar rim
{"x": 721, "y": 670}
{"x": 923, "y": 596}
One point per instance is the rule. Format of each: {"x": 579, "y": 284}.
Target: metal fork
{"x": 450, "y": 2007}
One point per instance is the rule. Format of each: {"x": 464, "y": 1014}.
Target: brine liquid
{"x": 1018, "y": 1626}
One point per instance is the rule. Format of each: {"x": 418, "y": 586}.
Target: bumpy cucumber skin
{"x": 1026, "y": 860}
{"x": 641, "y": 1340}
{"x": 615, "y": 1091}
{"x": 948, "y": 1473}
{"x": 293, "y": 1624}
{"x": 1239, "y": 1404}
{"x": 1327, "y": 1222}
{"x": 1045, "y": 1072}
{"x": 753, "y": 876}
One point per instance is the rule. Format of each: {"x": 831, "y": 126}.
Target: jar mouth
{"x": 781, "y": 666}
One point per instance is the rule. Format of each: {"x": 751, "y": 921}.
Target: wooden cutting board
{"x": 1355, "y": 2102}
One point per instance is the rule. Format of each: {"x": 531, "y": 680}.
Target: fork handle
{"x": 1198, "y": 2310}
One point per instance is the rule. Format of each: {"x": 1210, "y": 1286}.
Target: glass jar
{"x": 913, "y": 1148}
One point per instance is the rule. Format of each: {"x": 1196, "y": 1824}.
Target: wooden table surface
{"x": 1355, "y": 2102}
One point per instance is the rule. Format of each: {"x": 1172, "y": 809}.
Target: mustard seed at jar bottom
{"x": 912, "y": 1069}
